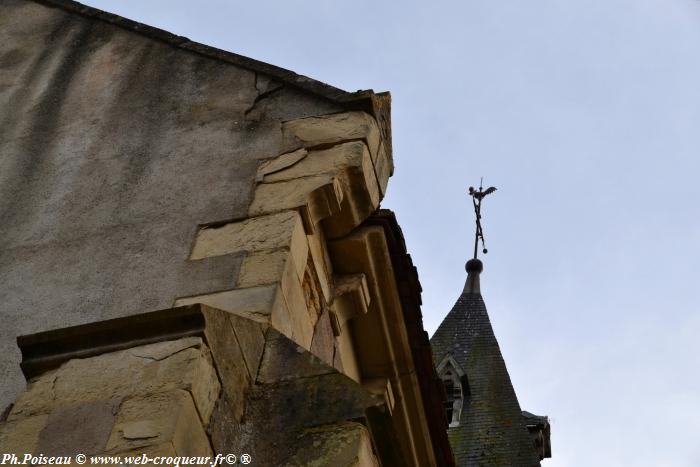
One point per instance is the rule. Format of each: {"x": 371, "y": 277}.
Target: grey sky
{"x": 586, "y": 116}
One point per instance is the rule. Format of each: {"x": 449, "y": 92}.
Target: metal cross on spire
{"x": 477, "y": 196}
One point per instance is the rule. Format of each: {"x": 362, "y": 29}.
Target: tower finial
{"x": 477, "y": 196}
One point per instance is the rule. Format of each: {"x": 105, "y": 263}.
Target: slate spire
{"x": 487, "y": 427}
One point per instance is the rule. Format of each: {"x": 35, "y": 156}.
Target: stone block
{"x": 193, "y": 371}
{"x": 80, "y": 428}
{"x": 166, "y": 449}
{"x": 285, "y": 360}
{"x": 280, "y": 315}
{"x": 338, "y": 363}
{"x": 251, "y": 339}
{"x": 279, "y": 163}
{"x": 315, "y": 302}
{"x": 331, "y": 129}
{"x": 290, "y": 376}
{"x": 381, "y": 387}
{"x": 230, "y": 361}
{"x": 156, "y": 420}
{"x": 323, "y": 161}
{"x": 337, "y": 184}
{"x": 205, "y": 388}
{"x": 346, "y": 357}
{"x": 225, "y": 430}
{"x": 351, "y": 156}
{"x": 262, "y": 268}
{"x": 197, "y": 277}
{"x": 36, "y": 399}
{"x": 383, "y": 168}
{"x": 255, "y": 303}
{"x": 352, "y": 296}
{"x": 179, "y": 364}
{"x": 322, "y": 203}
{"x": 321, "y": 263}
{"x": 299, "y": 250}
{"x": 301, "y": 319}
{"x": 21, "y": 436}
{"x": 323, "y": 342}
{"x": 267, "y": 232}
{"x": 321, "y": 195}
{"x": 162, "y": 350}
{"x": 346, "y": 444}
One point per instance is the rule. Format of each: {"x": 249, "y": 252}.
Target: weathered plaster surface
{"x": 113, "y": 148}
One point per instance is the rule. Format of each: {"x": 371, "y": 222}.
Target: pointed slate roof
{"x": 491, "y": 430}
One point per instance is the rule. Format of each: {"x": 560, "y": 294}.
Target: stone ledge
{"x": 183, "y": 363}
{"x": 49, "y": 349}
{"x": 236, "y": 366}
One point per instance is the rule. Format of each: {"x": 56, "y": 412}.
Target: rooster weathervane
{"x": 477, "y": 196}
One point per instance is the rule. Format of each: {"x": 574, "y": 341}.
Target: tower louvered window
{"x": 455, "y": 396}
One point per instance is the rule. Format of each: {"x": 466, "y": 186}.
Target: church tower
{"x": 486, "y": 424}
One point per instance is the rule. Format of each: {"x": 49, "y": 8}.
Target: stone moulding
{"x": 321, "y": 190}
{"x": 313, "y": 274}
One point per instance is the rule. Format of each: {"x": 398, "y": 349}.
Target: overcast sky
{"x": 586, "y": 116}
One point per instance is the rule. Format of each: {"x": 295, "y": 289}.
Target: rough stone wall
{"x": 300, "y": 197}
{"x": 217, "y": 392}
{"x": 114, "y": 149}
{"x": 155, "y": 399}
{"x": 141, "y": 174}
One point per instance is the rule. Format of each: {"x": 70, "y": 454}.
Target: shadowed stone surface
{"x": 341, "y": 445}
{"x": 323, "y": 342}
{"x": 294, "y": 392}
{"x": 82, "y": 428}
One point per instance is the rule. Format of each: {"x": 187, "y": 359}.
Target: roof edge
{"x": 376, "y": 104}
{"x": 409, "y": 289}
{"x": 302, "y": 82}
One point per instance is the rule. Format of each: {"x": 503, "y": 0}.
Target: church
{"x": 194, "y": 262}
